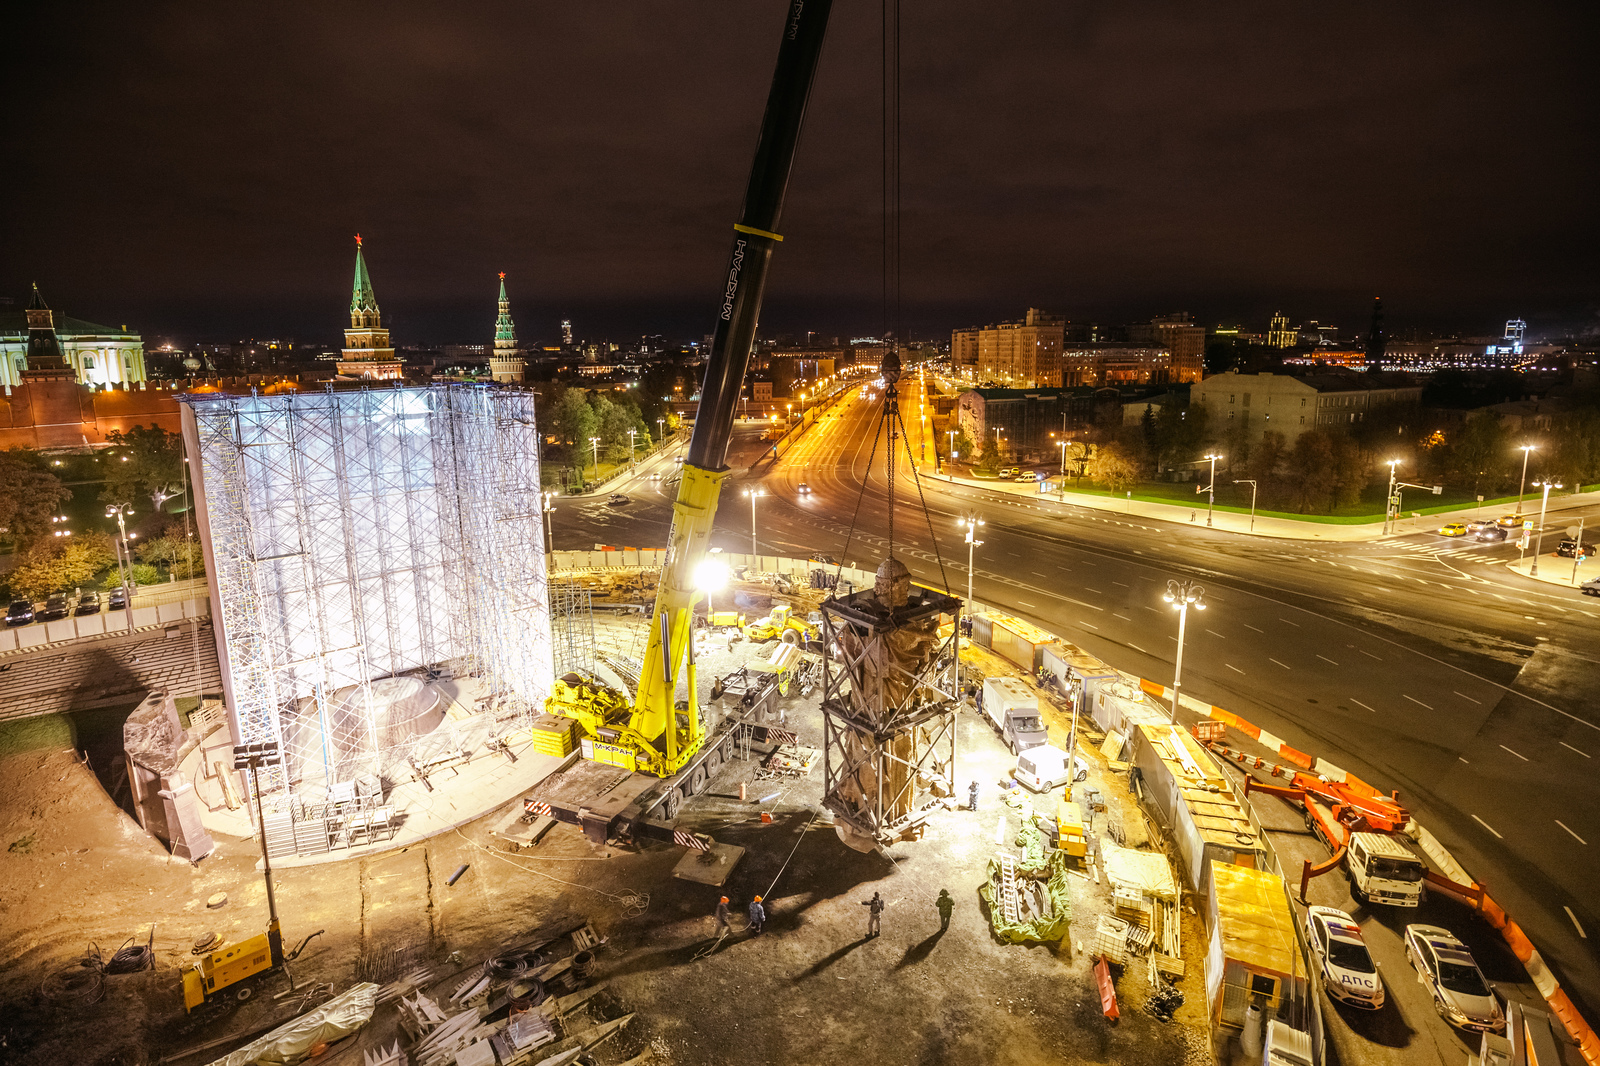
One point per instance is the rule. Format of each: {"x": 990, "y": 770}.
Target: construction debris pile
{"x": 1028, "y": 904}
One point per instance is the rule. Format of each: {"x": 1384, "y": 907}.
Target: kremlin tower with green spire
{"x": 367, "y": 352}
{"x": 506, "y": 361}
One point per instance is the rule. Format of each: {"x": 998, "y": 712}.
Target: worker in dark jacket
{"x": 946, "y": 905}
{"x": 758, "y": 916}
{"x": 722, "y": 916}
{"x": 972, "y": 796}
{"x": 874, "y": 909}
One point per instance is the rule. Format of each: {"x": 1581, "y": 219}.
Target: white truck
{"x": 1013, "y": 710}
{"x": 1383, "y": 870}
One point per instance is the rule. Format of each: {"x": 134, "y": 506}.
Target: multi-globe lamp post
{"x": 1544, "y": 508}
{"x": 120, "y": 511}
{"x": 1182, "y": 594}
{"x": 971, "y": 524}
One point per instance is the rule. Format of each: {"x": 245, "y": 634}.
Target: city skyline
{"x": 1108, "y": 167}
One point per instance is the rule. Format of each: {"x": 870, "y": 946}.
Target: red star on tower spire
{"x": 502, "y": 275}
{"x": 358, "y": 240}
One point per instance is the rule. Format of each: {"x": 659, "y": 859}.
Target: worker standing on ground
{"x": 972, "y": 796}
{"x": 722, "y": 916}
{"x": 874, "y": 909}
{"x": 946, "y": 905}
{"x": 758, "y": 916}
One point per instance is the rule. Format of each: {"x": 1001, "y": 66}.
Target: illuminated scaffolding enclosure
{"x": 362, "y": 546}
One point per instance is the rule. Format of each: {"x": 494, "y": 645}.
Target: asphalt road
{"x": 1419, "y": 663}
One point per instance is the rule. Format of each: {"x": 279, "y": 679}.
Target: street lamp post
{"x": 119, "y": 511}
{"x": 594, "y": 443}
{"x": 1523, "y": 484}
{"x": 1181, "y": 594}
{"x": 754, "y": 494}
{"x": 549, "y": 529}
{"x": 971, "y": 522}
{"x": 632, "y": 435}
{"x": 661, "y": 430}
{"x": 1211, "y": 489}
{"x": 1251, "y": 482}
{"x": 1544, "y": 508}
{"x": 1390, "y": 507}
{"x": 1063, "y": 446}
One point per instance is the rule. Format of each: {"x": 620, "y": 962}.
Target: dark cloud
{"x": 201, "y": 167}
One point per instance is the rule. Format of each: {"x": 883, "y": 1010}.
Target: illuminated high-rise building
{"x": 367, "y": 352}
{"x": 1279, "y": 335}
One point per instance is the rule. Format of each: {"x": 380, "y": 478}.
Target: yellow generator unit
{"x": 227, "y": 966}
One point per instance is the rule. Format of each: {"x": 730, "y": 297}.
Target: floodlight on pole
{"x": 1391, "y": 503}
{"x": 1211, "y": 489}
{"x": 1182, "y": 594}
{"x": 710, "y": 576}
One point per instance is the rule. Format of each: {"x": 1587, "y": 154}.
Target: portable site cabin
{"x": 1187, "y": 789}
{"x": 1121, "y": 707}
{"x": 1012, "y": 638}
{"x": 1068, "y": 663}
{"x": 1254, "y": 956}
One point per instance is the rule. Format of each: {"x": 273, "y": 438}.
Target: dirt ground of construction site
{"x": 79, "y": 871}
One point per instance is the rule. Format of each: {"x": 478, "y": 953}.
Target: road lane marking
{"x": 1365, "y": 652}
{"x": 1519, "y": 755}
{"x": 1234, "y": 668}
{"x": 1037, "y": 574}
{"x": 1575, "y": 924}
{"x": 1464, "y": 696}
{"x": 1569, "y": 747}
{"x": 1068, "y": 569}
{"x": 1097, "y": 592}
{"x": 1090, "y": 625}
{"x": 1358, "y": 703}
{"x": 1486, "y": 825}
{"x": 1021, "y": 603}
{"x": 1325, "y": 659}
{"x": 1213, "y": 632}
{"x": 1418, "y": 702}
{"x": 1462, "y": 759}
{"x": 1247, "y": 625}
{"x": 1575, "y": 836}
{"x": 1286, "y": 666}
{"x": 1151, "y": 609}
{"x": 1136, "y": 647}
{"x": 1285, "y": 621}
{"x": 1124, "y": 617}
{"x": 1124, "y": 584}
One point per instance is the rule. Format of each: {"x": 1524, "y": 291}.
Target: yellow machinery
{"x": 1069, "y": 826}
{"x": 778, "y": 624}
{"x": 725, "y": 620}
{"x": 664, "y": 732}
{"x": 226, "y": 966}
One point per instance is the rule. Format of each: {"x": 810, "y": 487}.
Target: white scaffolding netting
{"x": 368, "y": 534}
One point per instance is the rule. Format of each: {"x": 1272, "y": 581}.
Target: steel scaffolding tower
{"x": 572, "y": 625}
{"x": 353, "y": 535}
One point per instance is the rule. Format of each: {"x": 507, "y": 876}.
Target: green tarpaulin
{"x": 1051, "y": 926}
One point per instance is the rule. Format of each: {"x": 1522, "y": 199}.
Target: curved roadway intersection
{"x": 1419, "y": 664}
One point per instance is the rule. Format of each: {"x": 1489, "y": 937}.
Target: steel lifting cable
{"x": 633, "y": 903}
{"x": 838, "y": 571}
{"x": 916, "y": 479}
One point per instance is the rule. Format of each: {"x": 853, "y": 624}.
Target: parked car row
{"x": 61, "y": 604}
{"x": 1443, "y": 964}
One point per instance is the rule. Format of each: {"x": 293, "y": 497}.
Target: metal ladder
{"x": 1008, "y": 890}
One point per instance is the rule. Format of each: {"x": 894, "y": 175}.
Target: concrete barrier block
{"x": 145, "y": 616}
{"x": 60, "y": 629}
{"x": 169, "y": 612}
{"x": 91, "y": 625}
{"x": 30, "y": 636}
{"x": 8, "y": 640}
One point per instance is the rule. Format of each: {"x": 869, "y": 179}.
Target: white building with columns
{"x": 101, "y": 355}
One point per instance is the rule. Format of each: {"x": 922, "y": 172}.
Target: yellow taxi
{"x": 1453, "y": 529}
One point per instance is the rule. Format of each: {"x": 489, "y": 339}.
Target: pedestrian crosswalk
{"x": 1483, "y": 553}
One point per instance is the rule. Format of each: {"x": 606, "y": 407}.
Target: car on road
{"x": 1590, "y": 587}
{"x": 118, "y": 600}
{"x": 1481, "y": 524}
{"x": 88, "y": 603}
{"x": 55, "y": 607}
{"x": 1009, "y": 471}
{"x": 1452, "y": 529}
{"x": 1509, "y": 521}
{"x": 1460, "y": 994}
{"x": 1491, "y": 533}
{"x": 1348, "y": 972}
{"x": 1568, "y": 549}
{"x": 20, "y": 613}
{"x": 803, "y": 489}
{"x": 617, "y": 499}
{"x": 1028, "y": 475}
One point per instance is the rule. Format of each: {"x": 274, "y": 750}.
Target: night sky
{"x": 197, "y": 171}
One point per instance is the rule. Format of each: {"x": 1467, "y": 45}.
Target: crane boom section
{"x": 668, "y": 659}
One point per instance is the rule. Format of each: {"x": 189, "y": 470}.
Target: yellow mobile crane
{"x": 656, "y": 734}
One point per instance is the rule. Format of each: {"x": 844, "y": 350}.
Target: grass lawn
{"x": 1232, "y": 497}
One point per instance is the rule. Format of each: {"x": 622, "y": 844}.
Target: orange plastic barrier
{"x": 1108, "y": 992}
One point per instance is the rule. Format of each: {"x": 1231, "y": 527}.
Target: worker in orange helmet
{"x": 722, "y": 916}
{"x": 758, "y": 916}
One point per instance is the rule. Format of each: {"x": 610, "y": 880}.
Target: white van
{"x": 1043, "y": 768}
